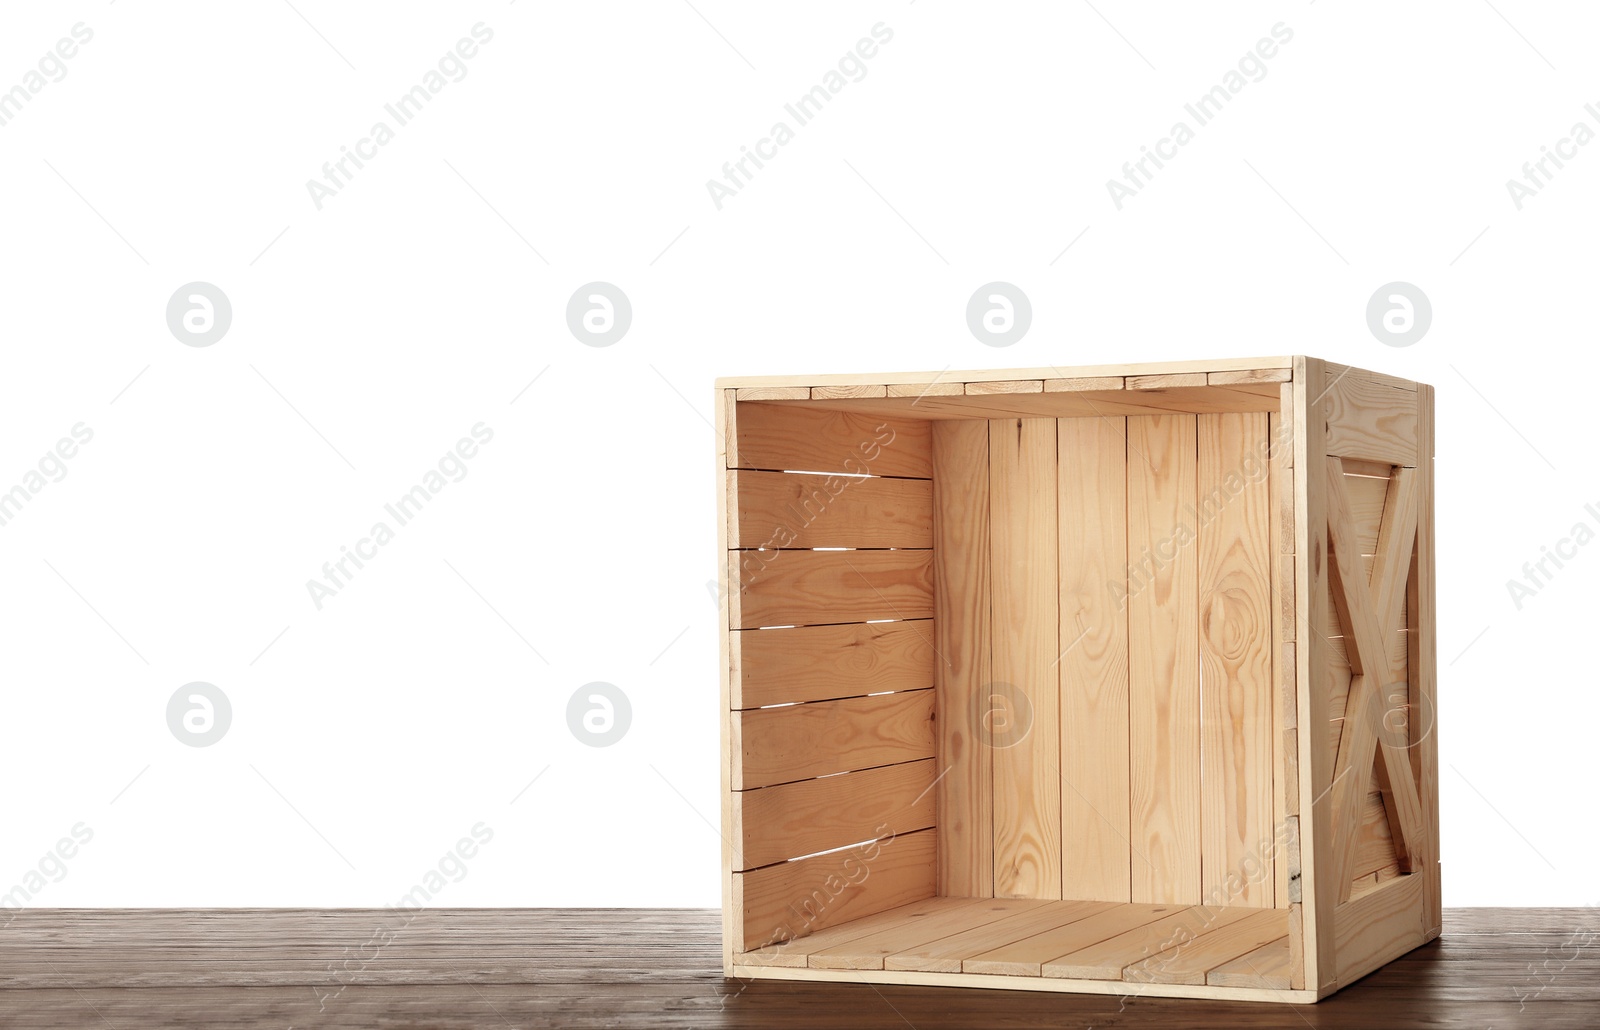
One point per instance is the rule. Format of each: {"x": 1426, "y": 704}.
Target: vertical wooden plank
{"x": 1092, "y": 498}
{"x": 1024, "y": 697}
{"x": 1422, "y": 662}
{"x": 1280, "y": 490}
{"x": 1318, "y": 886}
{"x": 1164, "y": 661}
{"x": 725, "y": 432}
{"x": 961, "y": 668}
{"x": 1236, "y": 684}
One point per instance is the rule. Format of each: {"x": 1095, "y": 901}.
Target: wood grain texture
{"x": 1081, "y": 402}
{"x": 1189, "y": 956}
{"x": 1248, "y": 375}
{"x": 780, "y": 745}
{"x": 1093, "y": 669}
{"x": 587, "y": 969}
{"x": 1280, "y": 501}
{"x": 773, "y": 393}
{"x": 1267, "y": 966}
{"x": 1381, "y": 925}
{"x": 1422, "y": 662}
{"x": 1024, "y": 706}
{"x": 797, "y": 588}
{"x": 859, "y": 390}
{"x": 961, "y": 624}
{"x": 796, "y": 953}
{"x": 1238, "y": 732}
{"x": 869, "y": 951}
{"x": 818, "y": 663}
{"x": 724, "y": 404}
{"x": 1369, "y": 420}
{"x": 784, "y": 510}
{"x": 1005, "y": 386}
{"x": 790, "y": 900}
{"x": 1319, "y": 887}
{"x": 1138, "y": 937}
{"x": 774, "y": 824}
{"x": 791, "y": 437}
{"x": 1164, "y": 688}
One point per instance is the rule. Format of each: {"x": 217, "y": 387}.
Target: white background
{"x": 370, "y": 335}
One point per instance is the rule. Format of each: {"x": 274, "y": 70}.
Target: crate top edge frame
{"x": 1223, "y": 366}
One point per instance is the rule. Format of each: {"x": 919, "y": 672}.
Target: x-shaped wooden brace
{"x": 1368, "y": 610}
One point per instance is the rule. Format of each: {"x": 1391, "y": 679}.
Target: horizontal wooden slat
{"x": 1370, "y": 421}
{"x": 791, "y": 900}
{"x": 1057, "y": 403}
{"x": 795, "y": 954}
{"x": 772, "y": 393}
{"x": 1027, "y": 956}
{"x": 944, "y": 389}
{"x": 774, "y": 824}
{"x": 859, "y": 390}
{"x": 1080, "y": 383}
{"x": 1167, "y": 381}
{"x": 798, "y": 588}
{"x": 949, "y": 954}
{"x": 775, "y": 509}
{"x": 1188, "y": 959}
{"x": 992, "y": 374}
{"x": 1106, "y": 959}
{"x": 816, "y": 663}
{"x": 1009, "y": 386}
{"x": 1378, "y": 926}
{"x": 777, "y": 745}
{"x": 1249, "y": 375}
{"x": 789, "y": 436}
{"x": 1267, "y": 966}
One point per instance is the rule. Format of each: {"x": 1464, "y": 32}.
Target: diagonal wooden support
{"x": 1364, "y": 609}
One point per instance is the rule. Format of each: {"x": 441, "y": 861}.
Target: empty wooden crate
{"x": 1113, "y": 679}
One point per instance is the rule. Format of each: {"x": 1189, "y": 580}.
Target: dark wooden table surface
{"x": 579, "y": 968}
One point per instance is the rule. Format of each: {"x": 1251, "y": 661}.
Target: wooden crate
{"x": 1111, "y": 680}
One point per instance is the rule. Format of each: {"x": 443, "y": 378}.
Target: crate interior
{"x": 1007, "y": 684}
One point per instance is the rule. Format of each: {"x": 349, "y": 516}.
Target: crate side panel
{"x": 961, "y": 626}
{"x": 1023, "y": 700}
{"x": 800, "y": 437}
{"x": 1164, "y": 660}
{"x": 1236, "y": 688}
{"x": 1092, "y": 497}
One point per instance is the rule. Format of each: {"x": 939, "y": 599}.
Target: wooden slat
{"x": 1334, "y": 370}
{"x": 1369, "y": 420}
{"x": 1139, "y": 936}
{"x": 773, "y": 393}
{"x": 1379, "y": 926}
{"x": 914, "y": 390}
{"x": 1012, "y": 386}
{"x": 1374, "y": 843}
{"x": 1024, "y": 708}
{"x": 1236, "y": 683}
{"x": 797, "y": 588}
{"x": 796, "y": 953}
{"x": 1318, "y": 888}
{"x": 1058, "y": 403}
{"x": 945, "y": 954}
{"x": 1166, "y": 381}
{"x": 859, "y": 390}
{"x": 795, "y": 898}
{"x": 1248, "y": 375}
{"x": 1164, "y": 689}
{"x": 1081, "y": 383}
{"x": 869, "y": 951}
{"x": 1092, "y": 500}
{"x": 778, "y": 745}
{"x": 775, "y": 824}
{"x": 1267, "y": 967}
{"x": 1189, "y": 959}
{"x": 992, "y": 374}
{"x": 1075, "y": 922}
{"x": 807, "y": 438}
{"x": 1422, "y": 668}
{"x": 961, "y": 624}
{"x": 819, "y": 663}
{"x": 1365, "y": 495}
{"x": 724, "y": 406}
{"x": 1280, "y": 519}
{"x": 779, "y": 510}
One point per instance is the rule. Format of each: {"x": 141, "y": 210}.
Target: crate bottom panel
{"x": 1086, "y": 946}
